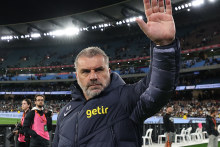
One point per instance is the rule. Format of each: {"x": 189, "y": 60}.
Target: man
{"x": 211, "y": 128}
{"x": 104, "y": 111}
{"x": 23, "y": 139}
{"x": 37, "y": 124}
{"x": 169, "y": 129}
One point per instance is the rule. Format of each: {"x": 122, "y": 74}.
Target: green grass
{"x": 12, "y": 121}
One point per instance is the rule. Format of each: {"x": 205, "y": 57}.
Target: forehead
{"x": 91, "y": 62}
{"x": 24, "y": 102}
{"x": 39, "y": 97}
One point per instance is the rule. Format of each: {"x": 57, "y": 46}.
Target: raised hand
{"x": 160, "y": 26}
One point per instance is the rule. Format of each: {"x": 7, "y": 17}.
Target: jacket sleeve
{"x": 49, "y": 123}
{"x": 154, "y": 91}
{"x": 56, "y": 134}
{"x": 28, "y": 121}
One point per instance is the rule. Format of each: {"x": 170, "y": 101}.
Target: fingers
{"x": 161, "y": 6}
{"x": 154, "y": 6}
{"x": 142, "y": 25}
{"x": 168, "y": 7}
{"x": 147, "y": 7}
{"x": 157, "y": 6}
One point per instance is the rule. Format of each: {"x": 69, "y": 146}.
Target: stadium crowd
{"x": 184, "y": 103}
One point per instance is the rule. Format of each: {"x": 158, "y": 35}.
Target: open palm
{"x": 160, "y": 27}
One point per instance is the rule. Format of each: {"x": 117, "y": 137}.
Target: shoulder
{"x": 30, "y": 113}
{"x": 73, "y": 104}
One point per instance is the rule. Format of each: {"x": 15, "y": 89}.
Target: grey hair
{"x": 91, "y": 52}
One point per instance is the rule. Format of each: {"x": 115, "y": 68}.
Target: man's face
{"x": 39, "y": 101}
{"x": 215, "y": 114}
{"x": 24, "y": 106}
{"x": 93, "y": 75}
{"x": 170, "y": 110}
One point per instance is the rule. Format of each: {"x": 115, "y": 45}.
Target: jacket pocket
{"x": 64, "y": 142}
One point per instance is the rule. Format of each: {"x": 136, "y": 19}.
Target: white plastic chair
{"x": 148, "y": 136}
{"x": 160, "y": 138}
{"x": 197, "y": 135}
{"x": 188, "y": 133}
{"x": 204, "y": 134}
{"x": 181, "y": 135}
{"x": 218, "y": 129}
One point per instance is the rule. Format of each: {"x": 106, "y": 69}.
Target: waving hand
{"x": 160, "y": 26}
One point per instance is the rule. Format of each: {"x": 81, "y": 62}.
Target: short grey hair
{"x": 91, "y": 52}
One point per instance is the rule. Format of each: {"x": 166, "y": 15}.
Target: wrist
{"x": 164, "y": 42}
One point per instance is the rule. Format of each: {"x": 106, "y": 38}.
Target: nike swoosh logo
{"x": 66, "y": 113}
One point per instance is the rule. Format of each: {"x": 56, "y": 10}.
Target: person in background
{"x": 169, "y": 127}
{"x": 211, "y": 128}
{"x": 38, "y": 124}
{"x": 23, "y": 139}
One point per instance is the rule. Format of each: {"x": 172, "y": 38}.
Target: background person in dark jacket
{"x": 106, "y": 112}
{"x": 23, "y": 139}
{"x": 168, "y": 122}
{"x": 211, "y": 128}
{"x": 38, "y": 124}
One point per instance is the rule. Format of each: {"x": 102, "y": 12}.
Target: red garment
{"x": 21, "y": 137}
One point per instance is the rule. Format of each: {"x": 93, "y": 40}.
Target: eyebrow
{"x": 88, "y": 70}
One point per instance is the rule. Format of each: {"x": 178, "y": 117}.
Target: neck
{"x": 25, "y": 110}
{"x": 39, "y": 108}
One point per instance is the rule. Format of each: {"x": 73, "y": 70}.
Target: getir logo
{"x": 99, "y": 110}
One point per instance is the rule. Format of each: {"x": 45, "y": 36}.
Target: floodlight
{"x": 196, "y": 3}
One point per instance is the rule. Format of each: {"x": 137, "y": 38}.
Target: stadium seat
{"x": 160, "y": 138}
{"x": 197, "y": 135}
{"x": 181, "y": 135}
{"x": 188, "y": 133}
{"x": 148, "y": 136}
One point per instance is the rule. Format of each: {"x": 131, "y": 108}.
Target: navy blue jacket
{"x": 115, "y": 117}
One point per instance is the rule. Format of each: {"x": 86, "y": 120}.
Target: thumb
{"x": 142, "y": 25}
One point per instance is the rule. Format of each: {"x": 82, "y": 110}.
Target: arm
{"x": 56, "y": 135}
{"x": 28, "y": 121}
{"x": 49, "y": 123}
{"x": 165, "y": 60}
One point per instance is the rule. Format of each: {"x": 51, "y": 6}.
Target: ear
{"x": 76, "y": 74}
{"x": 109, "y": 69}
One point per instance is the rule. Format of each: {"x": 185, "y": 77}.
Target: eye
{"x": 85, "y": 71}
{"x": 99, "y": 69}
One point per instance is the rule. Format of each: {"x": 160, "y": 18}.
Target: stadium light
{"x": 35, "y": 35}
{"x": 211, "y": 0}
{"x": 196, "y": 3}
{"x": 71, "y": 31}
{"x": 140, "y": 17}
{"x": 66, "y": 32}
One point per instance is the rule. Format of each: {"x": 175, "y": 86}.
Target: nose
{"x": 93, "y": 75}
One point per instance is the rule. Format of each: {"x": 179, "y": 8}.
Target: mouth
{"x": 95, "y": 86}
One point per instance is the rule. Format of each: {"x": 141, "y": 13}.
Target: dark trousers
{"x": 39, "y": 141}
{"x": 22, "y": 144}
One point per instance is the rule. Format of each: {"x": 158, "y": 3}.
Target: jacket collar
{"x": 116, "y": 81}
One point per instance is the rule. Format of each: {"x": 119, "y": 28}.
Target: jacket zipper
{"x": 76, "y": 132}
{"x": 113, "y": 137}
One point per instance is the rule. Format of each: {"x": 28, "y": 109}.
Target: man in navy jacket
{"x": 106, "y": 112}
